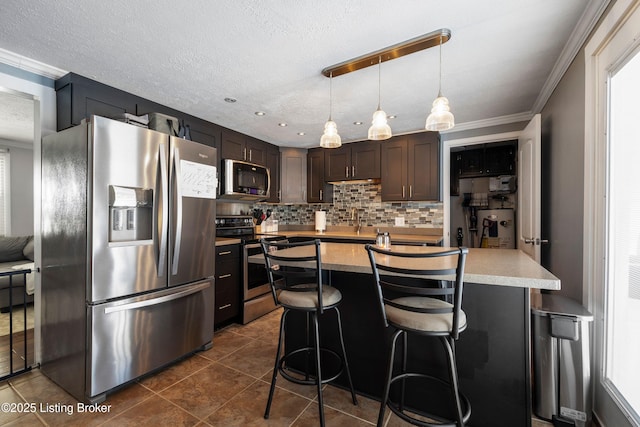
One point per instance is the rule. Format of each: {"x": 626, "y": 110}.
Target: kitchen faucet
{"x": 355, "y": 215}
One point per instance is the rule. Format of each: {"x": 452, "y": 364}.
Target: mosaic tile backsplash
{"x": 371, "y": 209}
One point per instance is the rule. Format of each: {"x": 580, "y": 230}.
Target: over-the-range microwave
{"x": 244, "y": 181}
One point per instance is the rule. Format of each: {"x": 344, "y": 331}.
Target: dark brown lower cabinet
{"x": 228, "y": 285}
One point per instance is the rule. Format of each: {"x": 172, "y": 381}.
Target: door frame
{"x": 446, "y": 168}
{"x": 597, "y": 68}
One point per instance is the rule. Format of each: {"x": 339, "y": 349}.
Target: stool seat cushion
{"x": 309, "y": 298}
{"x": 426, "y": 322}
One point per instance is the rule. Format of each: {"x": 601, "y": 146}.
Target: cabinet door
{"x": 273, "y": 163}
{"x": 232, "y": 145}
{"x": 500, "y": 160}
{"x": 337, "y": 164}
{"x": 454, "y": 173}
{"x": 316, "y": 189}
{"x": 472, "y": 163}
{"x": 365, "y": 160}
{"x": 423, "y": 166}
{"x": 394, "y": 169}
{"x": 294, "y": 175}
{"x": 256, "y": 151}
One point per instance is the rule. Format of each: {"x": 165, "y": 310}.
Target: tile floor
{"x": 225, "y": 386}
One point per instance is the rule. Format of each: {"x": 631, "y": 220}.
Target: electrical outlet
{"x": 399, "y": 221}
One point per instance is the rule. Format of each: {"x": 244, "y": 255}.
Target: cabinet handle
{"x": 403, "y": 191}
{"x": 250, "y": 155}
{"x": 346, "y": 171}
{"x": 224, "y": 276}
{"x": 410, "y": 191}
{"x": 321, "y": 194}
{"x": 222, "y": 307}
{"x": 244, "y": 154}
{"x": 353, "y": 171}
{"x": 224, "y": 253}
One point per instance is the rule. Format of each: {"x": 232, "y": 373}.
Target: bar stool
{"x": 420, "y": 292}
{"x": 297, "y": 285}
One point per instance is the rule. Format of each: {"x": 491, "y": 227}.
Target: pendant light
{"x": 330, "y": 137}
{"x": 379, "y": 129}
{"x": 441, "y": 117}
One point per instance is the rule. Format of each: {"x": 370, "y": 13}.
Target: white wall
{"x": 21, "y": 191}
{"x": 22, "y": 154}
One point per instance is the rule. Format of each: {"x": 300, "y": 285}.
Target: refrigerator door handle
{"x": 164, "y": 210}
{"x": 178, "y": 189}
{"x": 158, "y": 300}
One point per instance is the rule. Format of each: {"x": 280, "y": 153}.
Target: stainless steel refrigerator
{"x": 128, "y": 236}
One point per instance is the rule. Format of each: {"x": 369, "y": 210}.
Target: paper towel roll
{"x": 321, "y": 220}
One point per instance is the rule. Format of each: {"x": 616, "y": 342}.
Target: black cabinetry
{"x": 486, "y": 159}
{"x": 228, "y": 284}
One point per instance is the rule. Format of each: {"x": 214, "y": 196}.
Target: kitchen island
{"x": 493, "y": 352}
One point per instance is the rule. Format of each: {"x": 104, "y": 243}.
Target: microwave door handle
{"x": 162, "y": 211}
{"x": 177, "y": 177}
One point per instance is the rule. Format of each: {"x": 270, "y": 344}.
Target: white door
{"x": 528, "y": 238}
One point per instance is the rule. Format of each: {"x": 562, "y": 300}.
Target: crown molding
{"x": 494, "y": 121}
{"x": 578, "y": 37}
{"x": 30, "y": 65}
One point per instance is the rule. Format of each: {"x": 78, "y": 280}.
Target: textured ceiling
{"x": 268, "y": 55}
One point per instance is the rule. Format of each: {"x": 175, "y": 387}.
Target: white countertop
{"x": 502, "y": 267}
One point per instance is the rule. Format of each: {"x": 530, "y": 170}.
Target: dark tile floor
{"x": 227, "y": 385}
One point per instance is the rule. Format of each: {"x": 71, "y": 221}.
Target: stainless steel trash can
{"x": 561, "y": 362}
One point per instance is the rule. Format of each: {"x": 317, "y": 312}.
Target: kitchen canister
{"x": 321, "y": 221}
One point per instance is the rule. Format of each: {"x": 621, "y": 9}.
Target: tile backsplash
{"x": 372, "y": 210}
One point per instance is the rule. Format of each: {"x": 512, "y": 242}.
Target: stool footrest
{"x": 438, "y": 421}
{"x": 313, "y": 381}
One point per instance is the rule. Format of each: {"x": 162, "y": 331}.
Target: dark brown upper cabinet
{"x": 318, "y": 191}
{"x": 238, "y": 146}
{"x": 354, "y": 161}
{"x": 273, "y": 163}
{"x": 411, "y": 167}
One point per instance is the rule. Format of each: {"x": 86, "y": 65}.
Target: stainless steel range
{"x": 256, "y": 291}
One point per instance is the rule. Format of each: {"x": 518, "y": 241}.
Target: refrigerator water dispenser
{"x": 130, "y": 214}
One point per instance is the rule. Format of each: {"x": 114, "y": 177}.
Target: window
{"x": 622, "y": 310}
{"x": 5, "y": 193}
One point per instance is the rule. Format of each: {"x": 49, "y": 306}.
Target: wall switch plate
{"x": 399, "y": 221}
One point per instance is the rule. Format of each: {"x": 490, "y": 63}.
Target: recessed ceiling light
{"x": 392, "y": 116}
{"x": 230, "y": 100}
{"x": 260, "y": 113}
{"x": 357, "y": 123}
{"x": 301, "y": 133}
{"x": 282, "y": 124}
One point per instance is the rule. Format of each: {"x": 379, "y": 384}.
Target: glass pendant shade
{"x": 440, "y": 117}
{"x": 379, "y": 129}
{"x": 330, "y": 137}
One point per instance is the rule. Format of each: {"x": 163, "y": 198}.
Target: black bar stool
{"x": 420, "y": 292}
{"x": 297, "y": 284}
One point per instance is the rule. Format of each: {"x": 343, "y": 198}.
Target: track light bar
{"x": 398, "y": 50}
